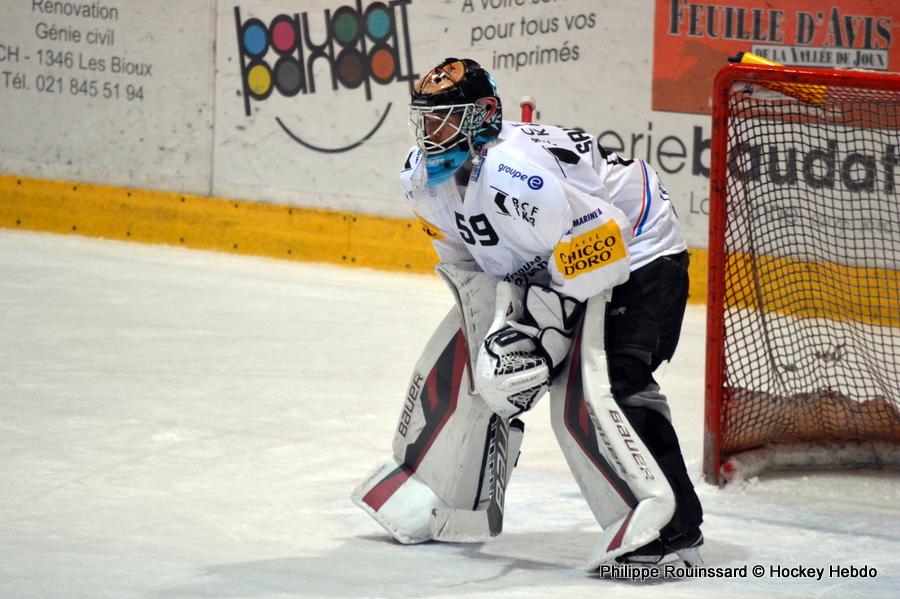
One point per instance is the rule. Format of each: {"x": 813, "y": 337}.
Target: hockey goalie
{"x": 569, "y": 272}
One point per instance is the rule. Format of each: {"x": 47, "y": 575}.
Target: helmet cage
{"x": 440, "y": 120}
{"x": 468, "y": 127}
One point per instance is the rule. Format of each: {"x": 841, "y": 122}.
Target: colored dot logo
{"x": 346, "y": 27}
{"x": 360, "y": 45}
{"x": 284, "y": 35}
{"x": 255, "y": 39}
{"x": 259, "y": 80}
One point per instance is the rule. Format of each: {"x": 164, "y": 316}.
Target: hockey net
{"x": 803, "y": 323}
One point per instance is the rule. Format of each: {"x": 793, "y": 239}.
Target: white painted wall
{"x": 70, "y": 111}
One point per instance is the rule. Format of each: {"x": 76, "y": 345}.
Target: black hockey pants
{"x": 643, "y": 324}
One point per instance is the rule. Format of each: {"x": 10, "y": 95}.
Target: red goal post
{"x": 803, "y": 313}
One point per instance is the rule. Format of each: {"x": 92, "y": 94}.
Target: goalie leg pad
{"x": 618, "y": 476}
{"x": 439, "y": 442}
{"x": 657, "y": 432}
{"x": 399, "y": 501}
{"x": 475, "y": 293}
{"x": 442, "y": 426}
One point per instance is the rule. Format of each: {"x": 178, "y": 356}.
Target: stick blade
{"x": 466, "y": 526}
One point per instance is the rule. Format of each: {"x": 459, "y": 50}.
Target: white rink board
{"x": 588, "y": 63}
{"x": 116, "y": 92}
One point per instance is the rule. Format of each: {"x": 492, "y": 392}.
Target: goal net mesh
{"x": 812, "y": 256}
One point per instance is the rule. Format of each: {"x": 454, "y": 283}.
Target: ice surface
{"x": 190, "y": 424}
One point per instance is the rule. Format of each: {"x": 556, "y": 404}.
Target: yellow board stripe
{"x": 813, "y": 289}
{"x": 236, "y": 226}
{"x": 215, "y": 224}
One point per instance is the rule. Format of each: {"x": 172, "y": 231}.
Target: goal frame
{"x": 726, "y": 78}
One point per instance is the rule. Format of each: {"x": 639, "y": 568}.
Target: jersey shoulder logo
{"x": 564, "y": 155}
{"x": 586, "y": 253}
{"x": 526, "y": 210}
{"x": 586, "y": 218}
{"x": 612, "y": 158}
{"x": 430, "y": 230}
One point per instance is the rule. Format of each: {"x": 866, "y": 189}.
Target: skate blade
{"x": 690, "y": 556}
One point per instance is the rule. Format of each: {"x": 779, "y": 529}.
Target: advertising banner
{"x": 112, "y": 91}
{"x": 693, "y": 39}
{"x": 312, "y": 97}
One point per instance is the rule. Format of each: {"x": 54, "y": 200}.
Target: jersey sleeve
{"x": 590, "y": 254}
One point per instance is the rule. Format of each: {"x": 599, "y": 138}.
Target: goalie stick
{"x": 476, "y": 526}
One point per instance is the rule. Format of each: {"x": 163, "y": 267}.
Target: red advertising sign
{"x": 693, "y": 40}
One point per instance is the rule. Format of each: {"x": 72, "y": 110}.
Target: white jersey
{"x": 545, "y": 205}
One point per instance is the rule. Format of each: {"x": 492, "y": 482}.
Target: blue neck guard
{"x": 441, "y": 167}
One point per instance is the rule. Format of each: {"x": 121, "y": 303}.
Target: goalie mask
{"x": 454, "y": 111}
